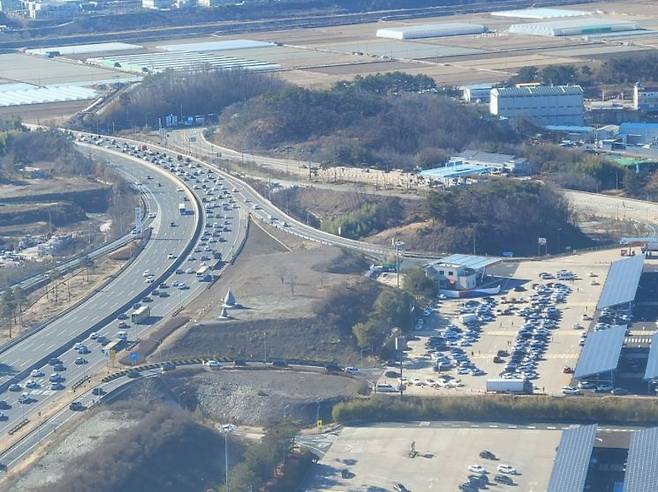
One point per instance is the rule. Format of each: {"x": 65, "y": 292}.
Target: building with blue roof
{"x": 639, "y": 133}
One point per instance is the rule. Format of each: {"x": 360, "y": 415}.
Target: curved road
{"x": 60, "y": 335}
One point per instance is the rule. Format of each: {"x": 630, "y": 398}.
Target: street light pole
{"x": 398, "y": 248}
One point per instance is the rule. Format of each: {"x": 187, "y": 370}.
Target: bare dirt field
{"x": 256, "y": 397}
{"x": 280, "y": 293}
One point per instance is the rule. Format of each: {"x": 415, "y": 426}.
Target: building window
{"x": 450, "y": 274}
{"x": 442, "y": 272}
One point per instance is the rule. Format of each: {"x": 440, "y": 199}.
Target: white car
{"x": 31, "y": 383}
{"x": 213, "y": 363}
{"x": 351, "y": 370}
{"x": 146, "y": 273}
{"x": 478, "y": 469}
{"x": 148, "y": 280}
{"x": 36, "y": 373}
{"x": 509, "y": 469}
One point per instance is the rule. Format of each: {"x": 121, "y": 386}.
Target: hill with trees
{"x": 384, "y": 121}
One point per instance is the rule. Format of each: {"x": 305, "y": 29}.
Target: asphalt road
{"x": 262, "y": 209}
{"x": 129, "y": 284}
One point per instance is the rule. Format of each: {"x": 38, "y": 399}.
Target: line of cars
{"x": 473, "y": 315}
{"x": 540, "y": 318}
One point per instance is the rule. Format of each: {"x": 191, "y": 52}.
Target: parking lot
{"x": 542, "y": 320}
{"x": 376, "y": 458}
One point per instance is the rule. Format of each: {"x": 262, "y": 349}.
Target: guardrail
{"x": 107, "y": 319}
{"x": 80, "y": 382}
{"x": 18, "y": 427}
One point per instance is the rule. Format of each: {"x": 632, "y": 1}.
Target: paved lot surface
{"x": 500, "y": 334}
{"x": 378, "y": 457}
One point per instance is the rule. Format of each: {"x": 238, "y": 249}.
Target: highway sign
{"x": 133, "y": 357}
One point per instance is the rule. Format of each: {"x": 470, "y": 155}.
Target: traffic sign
{"x": 133, "y": 357}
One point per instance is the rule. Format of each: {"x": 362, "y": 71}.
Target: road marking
{"x": 532, "y": 427}
{"x": 493, "y": 426}
{"x": 551, "y": 427}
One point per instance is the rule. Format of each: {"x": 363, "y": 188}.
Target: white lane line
{"x": 551, "y": 427}
{"x": 532, "y": 427}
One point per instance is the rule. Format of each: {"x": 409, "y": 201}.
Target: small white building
{"x": 156, "y": 4}
{"x": 543, "y": 105}
{"x": 459, "y": 272}
{"x": 498, "y": 163}
{"x": 645, "y": 98}
{"x": 52, "y": 9}
{"x": 476, "y": 93}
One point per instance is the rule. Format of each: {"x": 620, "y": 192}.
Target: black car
{"x": 76, "y": 406}
{"x": 59, "y": 368}
{"x": 122, "y": 316}
{"x": 54, "y": 361}
{"x": 4, "y": 405}
{"x": 239, "y": 363}
{"x": 98, "y": 391}
{"x": 168, "y": 366}
{"x": 133, "y": 373}
{"x": 500, "y": 478}
{"x": 487, "y": 455}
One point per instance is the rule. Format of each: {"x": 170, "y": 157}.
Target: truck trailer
{"x": 517, "y": 386}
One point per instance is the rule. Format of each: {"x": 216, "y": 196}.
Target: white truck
{"x": 468, "y": 318}
{"x": 518, "y": 386}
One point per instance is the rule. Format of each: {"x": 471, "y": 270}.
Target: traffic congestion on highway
{"x": 176, "y": 264}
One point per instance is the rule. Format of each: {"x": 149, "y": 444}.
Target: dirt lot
{"x": 279, "y": 292}
{"x": 378, "y": 457}
{"x": 255, "y": 397}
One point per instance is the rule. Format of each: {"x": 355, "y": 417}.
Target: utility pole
{"x": 398, "y": 349}
{"x": 399, "y": 245}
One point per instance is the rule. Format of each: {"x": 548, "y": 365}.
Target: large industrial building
{"x": 430, "y": 31}
{"x": 645, "y": 99}
{"x": 559, "y": 105}
{"x": 540, "y": 13}
{"x": 574, "y": 27}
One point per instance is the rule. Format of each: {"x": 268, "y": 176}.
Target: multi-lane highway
{"x": 170, "y": 256}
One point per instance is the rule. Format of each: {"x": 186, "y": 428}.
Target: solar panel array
{"x": 18, "y": 95}
{"x": 601, "y": 351}
{"x": 642, "y": 463}
{"x": 470, "y": 261}
{"x": 180, "y": 60}
{"x": 572, "y": 459}
{"x": 621, "y": 283}
{"x": 651, "y": 372}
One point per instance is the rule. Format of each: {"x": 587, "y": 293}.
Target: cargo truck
{"x": 518, "y": 386}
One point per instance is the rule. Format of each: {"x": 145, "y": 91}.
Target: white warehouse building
{"x": 430, "y": 30}
{"x": 544, "y": 105}
{"x": 573, "y": 27}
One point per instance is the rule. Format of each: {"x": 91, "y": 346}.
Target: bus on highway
{"x": 115, "y": 345}
{"x": 140, "y": 315}
{"x": 203, "y": 273}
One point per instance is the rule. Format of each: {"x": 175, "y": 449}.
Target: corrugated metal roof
{"x": 601, "y": 351}
{"x": 621, "y": 283}
{"x": 572, "y": 459}
{"x": 651, "y": 372}
{"x": 458, "y": 170}
{"x": 470, "y": 261}
{"x": 642, "y": 463}
{"x": 539, "y": 13}
{"x": 85, "y": 48}
{"x": 542, "y": 90}
{"x": 230, "y": 44}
